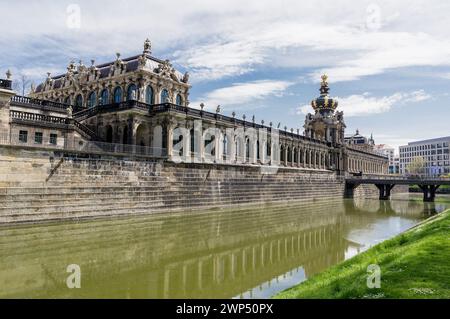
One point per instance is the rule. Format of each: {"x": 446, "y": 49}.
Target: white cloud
{"x": 365, "y": 104}
{"x": 243, "y": 95}
{"x": 227, "y": 38}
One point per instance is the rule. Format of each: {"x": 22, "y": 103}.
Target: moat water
{"x": 241, "y": 253}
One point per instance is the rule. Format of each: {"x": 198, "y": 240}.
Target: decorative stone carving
{"x": 142, "y": 61}
{"x": 166, "y": 70}
{"x": 147, "y": 47}
{"x": 186, "y": 77}
{"x": 69, "y": 112}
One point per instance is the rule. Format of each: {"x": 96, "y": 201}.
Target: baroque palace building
{"x": 140, "y": 105}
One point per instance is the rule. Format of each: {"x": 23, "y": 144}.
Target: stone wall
{"x": 39, "y": 185}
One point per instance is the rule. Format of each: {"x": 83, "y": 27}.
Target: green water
{"x": 241, "y": 253}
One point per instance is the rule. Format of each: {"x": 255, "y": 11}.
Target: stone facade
{"x": 142, "y": 78}
{"x": 47, "y": 185}
{"x": 119, "y": 138}
{"x": 142, "y": 115}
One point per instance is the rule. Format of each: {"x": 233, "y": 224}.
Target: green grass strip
{"x": 414, "y": 264}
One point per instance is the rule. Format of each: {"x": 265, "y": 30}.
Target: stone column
{"x": 218, "y": 140}
{"x": 263, "y": 151}
{"x": 169, "y": 126}
{"x": 5, "y": 96}
{"x": 157, "y": 94}
{"x": 231, "y": 145}
{"x": 132, "y": 130}
{"x": 272, "y": 153}
{"x": 187, "y": 143}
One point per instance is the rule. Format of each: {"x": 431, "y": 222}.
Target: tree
{"x": 417, "y": 166}
{"x": 21, "y": 85}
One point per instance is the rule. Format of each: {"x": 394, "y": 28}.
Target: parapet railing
{"x": 26, "y": 101}
{"x": 80, "y": 145}
{"x": 82, "y": 114}
{"x": 38, "y": 117}
{"x": 355, "y": 148}
{"x": 167, "y": 107}
{"x": 5, "y": 84}
{"x": 51, "y": 120}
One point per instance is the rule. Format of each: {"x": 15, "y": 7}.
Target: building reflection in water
{"x": 247, "y": 252}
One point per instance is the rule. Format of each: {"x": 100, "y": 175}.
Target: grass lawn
{"x": 415, "y": 264}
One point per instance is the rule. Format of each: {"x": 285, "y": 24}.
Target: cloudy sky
{"x": 388, "y": 61}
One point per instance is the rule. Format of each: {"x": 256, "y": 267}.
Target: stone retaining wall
{"x": 38, "y": 185}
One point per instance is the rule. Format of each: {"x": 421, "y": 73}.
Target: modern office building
{"x": 395, "y": 166}
{"x": 389, "y": 152}
{"x": 433, "y": 152}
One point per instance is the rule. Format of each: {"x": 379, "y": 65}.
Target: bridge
{"x": 385, "y": 183}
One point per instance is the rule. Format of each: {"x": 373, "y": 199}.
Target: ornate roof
{"x": 324, "y": 102}
{"x": 143, "y": 61}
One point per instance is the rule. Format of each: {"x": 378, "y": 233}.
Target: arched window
{"x": 131, "y": 93}
{"x": 67, "y": 100}
{"x": 92, "y": 99}
{"x": 164, "y": 96}
{"x": 79, "y": 101}
{"x": 118, "y": 94}
{"x": 179, "y": 99}
{"x": 149, "y": 95}
{"x": 104, "y": 97}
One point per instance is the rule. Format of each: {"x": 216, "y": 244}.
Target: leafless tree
{"x": 21, "y": 85}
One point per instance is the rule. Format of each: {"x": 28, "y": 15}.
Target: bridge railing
{"x": 396, "y": 177}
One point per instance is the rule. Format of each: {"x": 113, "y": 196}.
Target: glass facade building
{"x": 434, "y": 155}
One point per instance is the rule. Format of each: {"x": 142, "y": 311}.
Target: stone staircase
{"x": 45, "y": 186}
